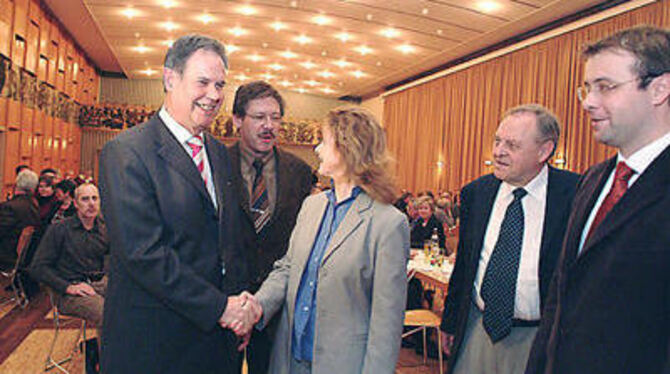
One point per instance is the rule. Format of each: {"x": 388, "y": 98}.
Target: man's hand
{"x": 241, "y": 314}
{"x": 80, "y": 289}
{"x": 447, "y": 342}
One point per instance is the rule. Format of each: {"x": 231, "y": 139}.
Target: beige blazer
{"x": 361, "y": 291}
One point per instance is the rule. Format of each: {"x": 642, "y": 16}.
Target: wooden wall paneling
{"x": 35, "y": 12}
{"x": 6, "y": 35}
{"x": 13, "y": 139}
{"x": 47, "y": 142}
{"x": 20, "y": 17}
{"x": 3, "y": 113}
{"x": 39, "y": 117}
{"x": 13, "y": 114}
{"x": 42, "y": 68}
{"x": 37, "y": 152}
{"x": 32, "y": 47}
{"x": 45, "y": 37}
{"x": 55, "y": 144}
{"x": 52, "y": 51}
{"x": 18, "y": 53}
{"x": 26, "y": 145}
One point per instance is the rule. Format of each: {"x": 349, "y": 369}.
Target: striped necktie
{"x": 259, "y": 198}
{"x": 198, "y": 154}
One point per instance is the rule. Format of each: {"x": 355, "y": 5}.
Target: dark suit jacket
{"x": 167, "y": 243}
{"x": 608, "y": 310}
{"x": 294, "y": 182}
{"x": 476, "y": 204}
{"x": 15, "y": 215}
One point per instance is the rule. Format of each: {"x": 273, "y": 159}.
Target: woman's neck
{"x": 343, "y": 188}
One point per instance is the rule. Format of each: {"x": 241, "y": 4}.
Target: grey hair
{"x": 184, "y": 47}
{"x": 546, "y": 121}
{"x": 26, "y": 181}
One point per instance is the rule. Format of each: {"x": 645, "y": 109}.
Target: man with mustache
{"x": 511, "y": 229}
{"x": 173, "y": 220}
{"x": 271, "y": 184}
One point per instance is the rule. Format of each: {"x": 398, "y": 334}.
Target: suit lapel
{"x": 175, "y": 156}
{"x": 238, "y": 180}
{"x": 281, "y": 172}
{"x": 483, "y": 208}
{"x": 218, "y": 167}
{"x": 648, "y": 188}
{"x": 309, "y": 232}
{"x": 351, "y": 221}
{"x": 553, "y": 211}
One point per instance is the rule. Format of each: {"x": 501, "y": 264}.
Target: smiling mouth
{"x": 206, "y": 107}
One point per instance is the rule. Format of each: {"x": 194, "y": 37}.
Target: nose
{"x": 317, "y": 149}
{"x": 214, "y": 93}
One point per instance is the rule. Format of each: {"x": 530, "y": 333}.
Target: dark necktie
{"x": 259, "y": 198}
{"x": 619, "y": 187}
{"x": 499, "y": 285}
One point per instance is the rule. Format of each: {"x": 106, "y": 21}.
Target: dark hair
{"x": 48, "y": 170}
{"x": 650, "y": 45}
{"x": 252, "y": 91}
{"x": 184, "y": 47}
{"x": 67, "y": 186}
{"x": 20, "y": 168}
{"x": 47, "y": 179}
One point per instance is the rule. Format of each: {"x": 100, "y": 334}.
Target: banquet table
{"x": 433, "y": 272}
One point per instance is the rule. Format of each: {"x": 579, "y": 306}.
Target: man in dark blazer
{"x": 257, "y": 113}
{"x": 608, "y": 310}
{"x": 15, "y": 214}
{"x": 524, "y": 142}
{"x": 173, "y": 224}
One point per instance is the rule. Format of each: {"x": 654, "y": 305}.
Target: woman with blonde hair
{"x": 341, "y": 287}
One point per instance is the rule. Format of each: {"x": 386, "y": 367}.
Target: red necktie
{"x": 619, "y": 187}
{"x": 198, "y": 155}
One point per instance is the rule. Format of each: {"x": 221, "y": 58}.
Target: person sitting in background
{"x": 443, "y": 212}
{"x": 46, "y": 200}
{"x": 64, "y": 192}
{"x": 426, "y": 224}
{"x": 15, "y": 215}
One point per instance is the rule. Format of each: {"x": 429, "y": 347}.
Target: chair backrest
{"x": 24, "y": 239}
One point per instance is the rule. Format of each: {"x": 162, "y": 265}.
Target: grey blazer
{"x": 361, "y": 292}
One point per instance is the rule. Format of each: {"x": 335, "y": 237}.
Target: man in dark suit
{"x": 512, "y": 225}
{"x": 173, "y": 223}
{"x": 15, "y": 215}
{"x": 271, "y": 184}
{"x": 608, "y": 310}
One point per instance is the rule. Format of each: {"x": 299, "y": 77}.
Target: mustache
{"x": 268, "y": 133}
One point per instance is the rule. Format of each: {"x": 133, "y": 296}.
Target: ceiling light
{"x": 168, "y": 3}
{"x": 424, "y": 11}
{"x": 308, "y": 65}
{"x": 231, "y": 48}
{"x": 379, "y": 63}
{"x": 206, "y": 18}
{"x": 358, "y": 74}
{"x": 130, "y": 12}
{"x": 288, "y": 54}
{"x": 312, "y": 83}
{"x": 368, "y": 17}
{"x": 169, "y": 25}
{"x": 363, "y": 49}
{"x": 488, "y": 6}
{"x": 168, "y": 42}
{"x": 326, "y": 74}
{"x": 321, "y": 20}
{"x": 148, "y": 71}
{"x": 342, "y": 63}
{"x": 324, "y": 53}
{"x": 344, "y": 37}
{"x": 255, "y": 57}
{"x": 286, "y": 83}
{"x": 141, "y": 49}
{"x": 264, "y": 45}
{"x": 276, "y": 66}
{"x": 303, "y": 39}
{"x": 241, "y": 77}
{"x": 390, "y": 32}
{"x": 246, "y": 10}
{"x": 237, "y": 31}
{"x": 405, "y": 48}
{"x": 277, "y": 26}
{"x": 327, "y": 90}
{"x": 439, "y": 31}
{"x": 267, "y": 76}
{"x": 294, "y": 4}
{"x": 301, "y": 90}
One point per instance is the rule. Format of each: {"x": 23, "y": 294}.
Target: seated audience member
{"x": 21, "y": 168}
{"x": 51, "y": 172}
{"x": 64, "y": 192}
{"x": 70, "y": 258}
{"x": 443, "y": 212}
{"x": 402, "y": 201}
{"x": 46, "y": 200}
{"x": 426, "y": 223}
{"x": 15, "y": 215}
{"x": 411, "y": 212}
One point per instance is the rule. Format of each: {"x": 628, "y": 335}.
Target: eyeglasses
{"x": 602, "y": 88}
{"x": 259, "y": 117}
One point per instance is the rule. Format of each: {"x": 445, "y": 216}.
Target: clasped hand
{"x": 241, "y": 314}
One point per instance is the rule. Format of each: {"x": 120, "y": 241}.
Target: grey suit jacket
{"x": 361, "y": 289}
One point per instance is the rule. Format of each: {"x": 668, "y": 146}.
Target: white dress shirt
{"x": 183, "y": 136}
{"x": 638, "y": 161}
{"x": 527, "y": 300}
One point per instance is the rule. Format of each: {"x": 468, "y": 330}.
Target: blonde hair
{"x": 361, "y": 142}
{"x": 425, "y": 199}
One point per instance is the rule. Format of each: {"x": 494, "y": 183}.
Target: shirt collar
{"x": 640, "y": 160}
{"x": 248, "y": 157}
{"x": 535, "y": 188}
{"x": 175, "y": 128}
{"x": 77, "y": 224}
{"x": 330, "y": 194}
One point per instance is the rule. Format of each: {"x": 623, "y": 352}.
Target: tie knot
{"x": 623, "y": 172}
{"x": 519, "y": 193}
{"x": 195, "y": 142}
{"x": 258, "y": 165}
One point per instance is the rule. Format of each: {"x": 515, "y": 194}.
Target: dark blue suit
{"x": 477, "y": 200}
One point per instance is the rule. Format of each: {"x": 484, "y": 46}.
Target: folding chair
{"x": 52, "y": 362}
{"x": 18, "y": 292}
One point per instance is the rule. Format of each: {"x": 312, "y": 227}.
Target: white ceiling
{"x": 330, "y": 48}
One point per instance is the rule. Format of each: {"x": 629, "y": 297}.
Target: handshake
{"x": 241, "y": 314}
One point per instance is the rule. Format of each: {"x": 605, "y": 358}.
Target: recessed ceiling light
{"x": 301, "y": 90}
{"x": 237, "y": 31}
{"x": 308, "y": 65}
{"x": 206, "y": 18}
{"x": 424, "y": 11}
{"x": 321, "y": 20}
{"x": 406, "y": 48}
{"x": 267, "y": 76}
{"x": 232, "y": 48}
{"x": 312, "y": 83}
{"x": 324, "y": 53}
{"x": 246, "y": 10}
{"x": 363, "y": 49}
{"x": 342, "y": 63}
{"x": 344, "y": 36}
{"x": 264, "y": 45}
{"x": 326, "y": 74}
{"x": 379, "y": 63}
{"x": 327, "y": 90}
{"x": 241, "y": 77}
{"x": 303, "y": 39}
{"x": 288, "y": 54}
{"x": 148, "y": 71}
{"x": 368, "y": 17}
{"x": 390, "y": 32}
{"x": 488, "y": 6}
{"x": 357, "y": 73}
{"x": 277, "y": 26}
{"x": 169, "y": 25}
{"x": 286, "y": 83}
{"x": 141, "y": 49}
{"x": 168, "y": 42}
{"x": 255, "y": 57}
{"x": 130, "y": 13}
{"x": 276, "y": 66}
{"x": 294, "y": 4}
{"x": 168, "y": 3}
{"x": 439, "y": 31}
